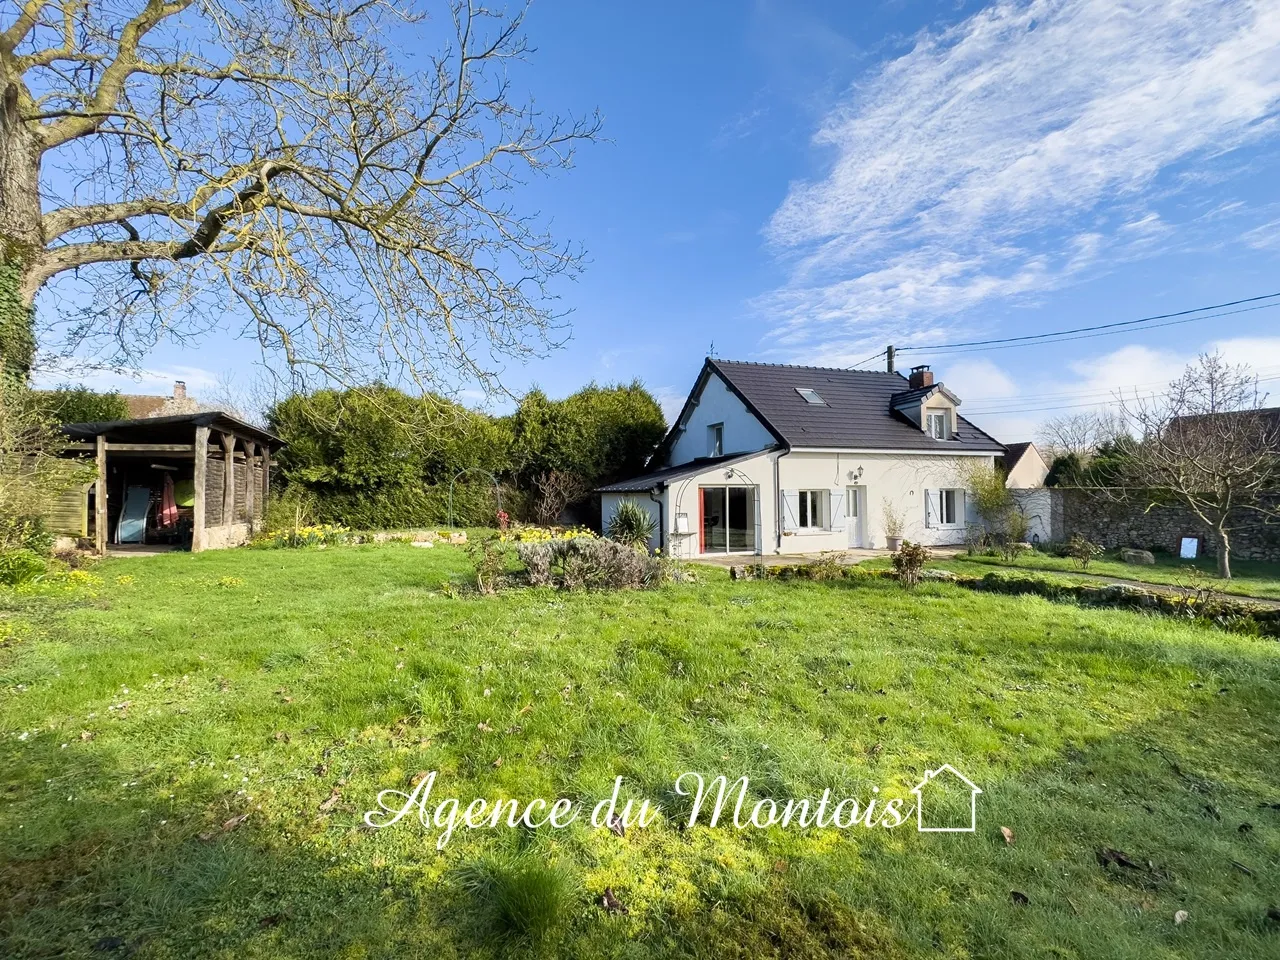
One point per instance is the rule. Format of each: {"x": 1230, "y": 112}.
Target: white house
{"x": 1024, "y": 466}
{"x": 776, "y": 459}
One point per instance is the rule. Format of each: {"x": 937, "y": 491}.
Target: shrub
{"x": 632, "y": 525}
{"x": 537, "y": 559}
{"x": 489, "y": 558}
{"x": 21, "y": 566}
{"x": 590, "y": 563}
{"x": 1082, "y": 551}
{"x": 909, "y": 561}
{"x": 26, "y": 533}
{"x": 828, "y": 566}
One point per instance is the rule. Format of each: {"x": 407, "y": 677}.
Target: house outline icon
{"x": 929, "y": 777}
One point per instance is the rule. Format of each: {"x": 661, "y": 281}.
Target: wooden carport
{"x": 226, "y": 462}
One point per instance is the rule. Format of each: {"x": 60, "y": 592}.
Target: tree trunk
{"x": 21, "y": 234}
{"x": 1224, "y": 554}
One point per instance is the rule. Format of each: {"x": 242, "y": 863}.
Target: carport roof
{"x": 174, "y": 429}
{"x": 664, "y": 476}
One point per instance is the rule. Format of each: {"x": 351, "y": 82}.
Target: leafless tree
{"x": 1210, "y": 445}
{"x": 1080, "y": 433}
{"x": 288, "y": 170}
{"x": 554, "y": 491}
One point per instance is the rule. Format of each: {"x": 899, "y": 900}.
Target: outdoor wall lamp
{"x": 855, "y": 475}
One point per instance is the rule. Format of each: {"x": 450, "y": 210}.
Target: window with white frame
{"x": 812, "y": 509}
{"x": 715, "y": 440}
{"x": 937, "y": 424}
{"x": 944, "y": 508}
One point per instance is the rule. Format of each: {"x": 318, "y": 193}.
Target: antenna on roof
{"x": 711, "y": 350}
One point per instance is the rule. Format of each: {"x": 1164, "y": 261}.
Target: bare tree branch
{"x": 276, "y": 165}
{"x": 1211, "y": 445}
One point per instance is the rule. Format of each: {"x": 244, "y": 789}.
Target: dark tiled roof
{"x": 857, "y": 414}
{"x": 667, "y": 474}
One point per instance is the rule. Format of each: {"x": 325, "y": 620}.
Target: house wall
{"x": 682, "y": 497}
{"x": 718, "y": 404}
{"x": 1028, "y": 472}
{"x": 609, "y": 506}
{"x": 902, "y": 479}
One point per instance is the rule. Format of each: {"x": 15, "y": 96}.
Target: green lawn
{"x": 292, "y": 686}
{"x": 1248, "y": 578}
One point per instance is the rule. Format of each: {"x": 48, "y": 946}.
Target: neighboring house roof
{"x": 1013, "y": 452}
{"x": 667, "y": 475}
{"x": 142, "y": 405}
{"x": 856, "y": 413}
{"x": 1264, "y": 421}
{"x": 175, "y": 429}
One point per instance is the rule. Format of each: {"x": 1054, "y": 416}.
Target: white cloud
{"x": 1004, "y": 156}
{"x": 153, "y": 381}
{"x": 1264, "y": 237}
{"x": 1011, "y": 405}
{"x": 671, "y": 400}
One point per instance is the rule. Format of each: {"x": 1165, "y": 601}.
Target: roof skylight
{"x": 811, "y": 396}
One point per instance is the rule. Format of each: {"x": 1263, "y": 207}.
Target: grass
{"x": 138, "y": 726}
{"x": 1249, "y": 578}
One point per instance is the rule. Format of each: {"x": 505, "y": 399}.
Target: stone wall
{"x": 1094, "y": 516}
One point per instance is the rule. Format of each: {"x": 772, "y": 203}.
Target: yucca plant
{"x": 632, "y": 525}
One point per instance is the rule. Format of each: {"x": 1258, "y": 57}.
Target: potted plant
{"x": 893, "y": 523}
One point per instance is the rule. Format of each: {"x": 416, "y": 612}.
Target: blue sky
{"x": 806, "y": 182}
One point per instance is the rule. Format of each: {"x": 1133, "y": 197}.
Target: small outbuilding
{"x": 197, "y": 481}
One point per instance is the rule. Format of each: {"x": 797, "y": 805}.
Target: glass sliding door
{"x": 714, "y": 515}
{"x": 742, "y": 519}
{"x": 728, "y": 519}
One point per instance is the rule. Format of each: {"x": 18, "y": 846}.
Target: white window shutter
{"x": 836, "y": 501}
{"x": 790, "y": 509}
{"x": 928, "y": 508}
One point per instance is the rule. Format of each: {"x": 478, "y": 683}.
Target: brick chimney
{"x": 180, "y": 390}
{"x": 921, "y": 376}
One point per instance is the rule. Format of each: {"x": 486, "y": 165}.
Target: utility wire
{"x": 1108, "y": 333}
{"x": 869, "y": 359}
{"x": 995, "y": 411}
{"x": 1265, "y": 375}
{"x": 1067, "y": 334}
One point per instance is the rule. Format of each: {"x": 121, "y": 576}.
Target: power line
{"x": 1094, "y": 330}
{"x": 869, "y": 359}
{"x": 1265, "y": 374}
{"x": 995, "y": 411}
{"x": 1108, "y": 333}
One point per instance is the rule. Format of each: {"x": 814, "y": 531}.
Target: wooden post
{"x": 266, "y": 476}
{"x": 100, "y": 499}
{"x": 201, "y": 478}
{"x": 228, "y": 479}
{"x": 250, "y": 454}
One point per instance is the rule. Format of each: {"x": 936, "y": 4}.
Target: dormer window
{"x": 937, "y": 424}
{"x": 811, "y": 396}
